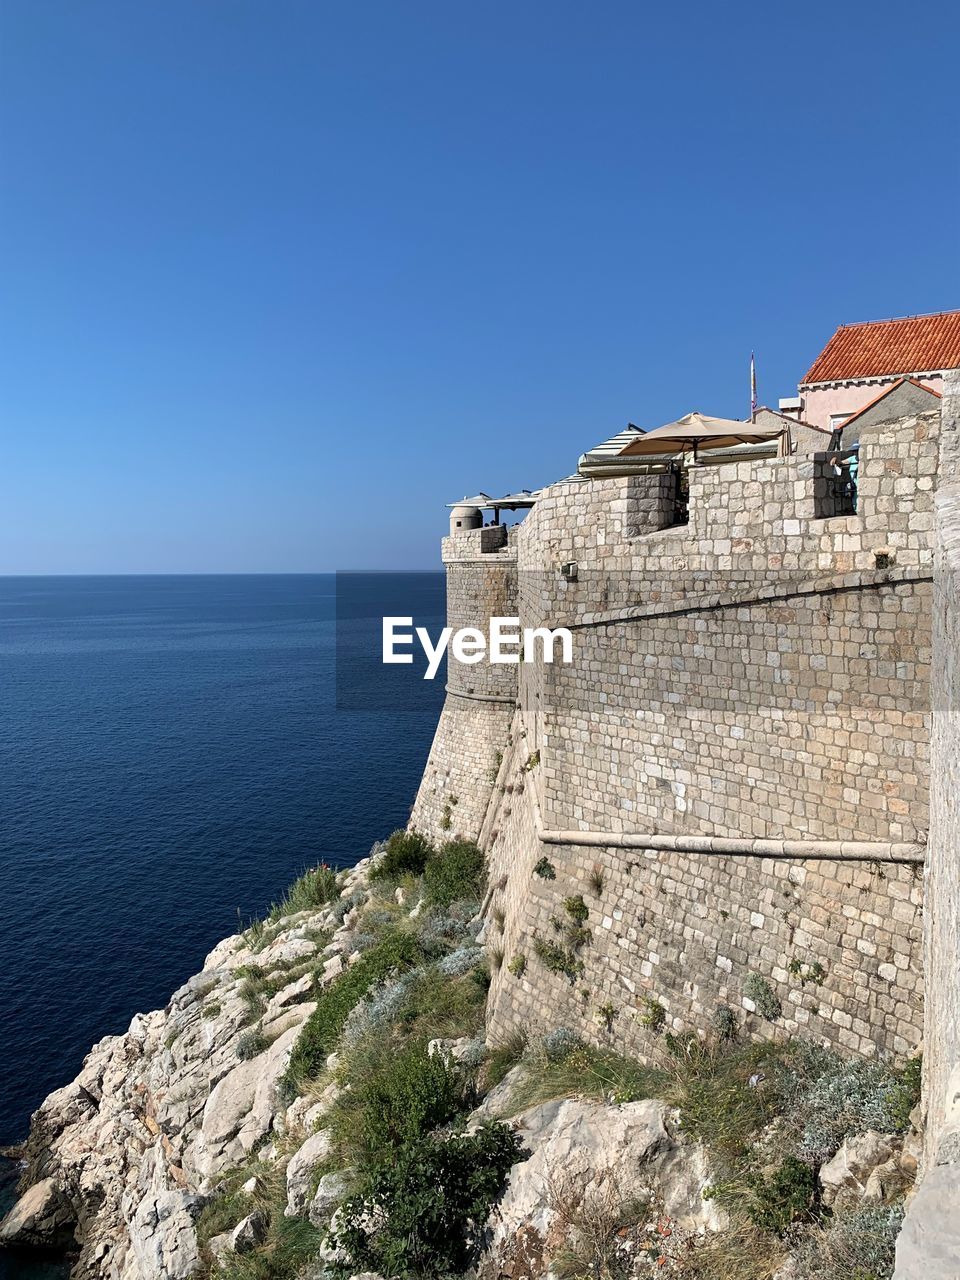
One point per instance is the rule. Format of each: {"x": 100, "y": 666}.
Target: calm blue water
{"x": 171, "y": 757}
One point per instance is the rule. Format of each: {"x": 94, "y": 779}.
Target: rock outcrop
{"x": 580, "y": 1150}
{"x": 929, "y": 1244}
{"x": 121, "y": 1160}
{"x": 866, "y": 1169}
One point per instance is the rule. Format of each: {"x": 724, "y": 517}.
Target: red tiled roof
{"x": 917, "y": 344}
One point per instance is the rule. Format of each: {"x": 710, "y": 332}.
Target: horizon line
{"x": 209, "y": 573}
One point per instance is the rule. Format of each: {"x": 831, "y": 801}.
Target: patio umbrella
{"x": 696, "y": 431}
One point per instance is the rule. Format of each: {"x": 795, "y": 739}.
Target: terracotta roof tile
{"x": 917, "y": 344}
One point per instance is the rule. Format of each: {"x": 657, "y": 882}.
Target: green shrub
{"x": 259, "y": 985}
{"x": 429, "y": 1201}
{"x": 399, "y": 1096}
{"x": 576, "y": 908}
{"x": 721, "y": 1092}
{"x": 502, "y": 1058}
{"x": 292, "y": 1243}
{"x": 436, "y": 1005}
{"x": 221, "y": 1213}
{"x": 517, "y": 965}
{"x": 830, "y": 1098}
{"x": 556, "y": 958}
{"x": 480, "y": 976}
{"x": 789, "y": 1195}
{"x": 905, "y": 1093}
{"x": 559, "y": 1044}
{"x": 251, "y": 1044}
{"x": 315, "y": 888}
{"x": 577, "y": 936}
{"x": 439, "y": 927}
{"x": 764, "y": 997}
{"x": 545, "y": 869}
{"x": 807, "y": 971}
{"x": 605, "y": 1015}
{"x": 255, "y": 934}
{"x": 654, "y": 1016}
{"x": 318, "y": 1039}
{"x": 458, "y": 871}
{"x": 582, "y": 1071}
{"x": 406, "y": 853}
{"x": 725, "y": 1022}
{"x": 252, "y": 991}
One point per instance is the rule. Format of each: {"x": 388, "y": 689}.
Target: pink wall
{"x": 820, "y": 402}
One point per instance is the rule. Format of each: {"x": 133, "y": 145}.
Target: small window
{"x": 679, "y": 508}
{"x": 835, "y": 484}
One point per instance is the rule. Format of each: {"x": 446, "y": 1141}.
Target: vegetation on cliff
{"x": 397, "y": 1100}
{"x": 771, "y": 1115}
{"x": 320, "y": 1101}
{"x": 413, "y": 1184}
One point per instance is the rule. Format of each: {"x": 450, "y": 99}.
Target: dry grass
{"x": 723, "y": 1092}
{"x": 586, "y": 1073}
{"x": 739, "y": 1253}
{"x": 501, "y": 1058}
{"x": 591, "y": 1222}
{"x": 596, "y": 880}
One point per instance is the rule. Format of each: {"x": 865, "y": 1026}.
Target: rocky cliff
{"x": 320, "y": 1101}
{"x": 126, "y": 1153}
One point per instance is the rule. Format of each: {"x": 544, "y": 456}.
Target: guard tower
{"x": 465, "y": 516}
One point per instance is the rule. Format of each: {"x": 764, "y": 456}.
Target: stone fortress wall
{"x": 455, "y": 790}
{"x": 942, "y": 965}
{"x": 929, "y": 1244}
{"x": 733, "y": 774}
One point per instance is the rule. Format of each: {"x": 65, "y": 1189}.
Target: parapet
{"x": 759, "y": 515}
{"x": 489, "y": 544}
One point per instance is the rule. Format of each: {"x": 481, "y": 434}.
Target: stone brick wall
{"x": 753, "y": 673}
{"x": 758, "y": 674}
{"x": 942, "y": 1037}
{"x": 929, "y": 1244}
{"x": 754, "y": 517}
{"x": 455, "y": 789}
{"x": 801, "y": 716}
{"x": 838, "y": 943}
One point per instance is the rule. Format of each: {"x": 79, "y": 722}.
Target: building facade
{"x": 861, "y": 360}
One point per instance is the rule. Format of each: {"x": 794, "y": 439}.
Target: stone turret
{"x": 481, "y": 697}
{"x": 464, "y": 517}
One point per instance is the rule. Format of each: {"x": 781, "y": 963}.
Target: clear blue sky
{"x": 279, "y": 279}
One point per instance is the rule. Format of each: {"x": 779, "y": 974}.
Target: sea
{"x": 174, "y": 751}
